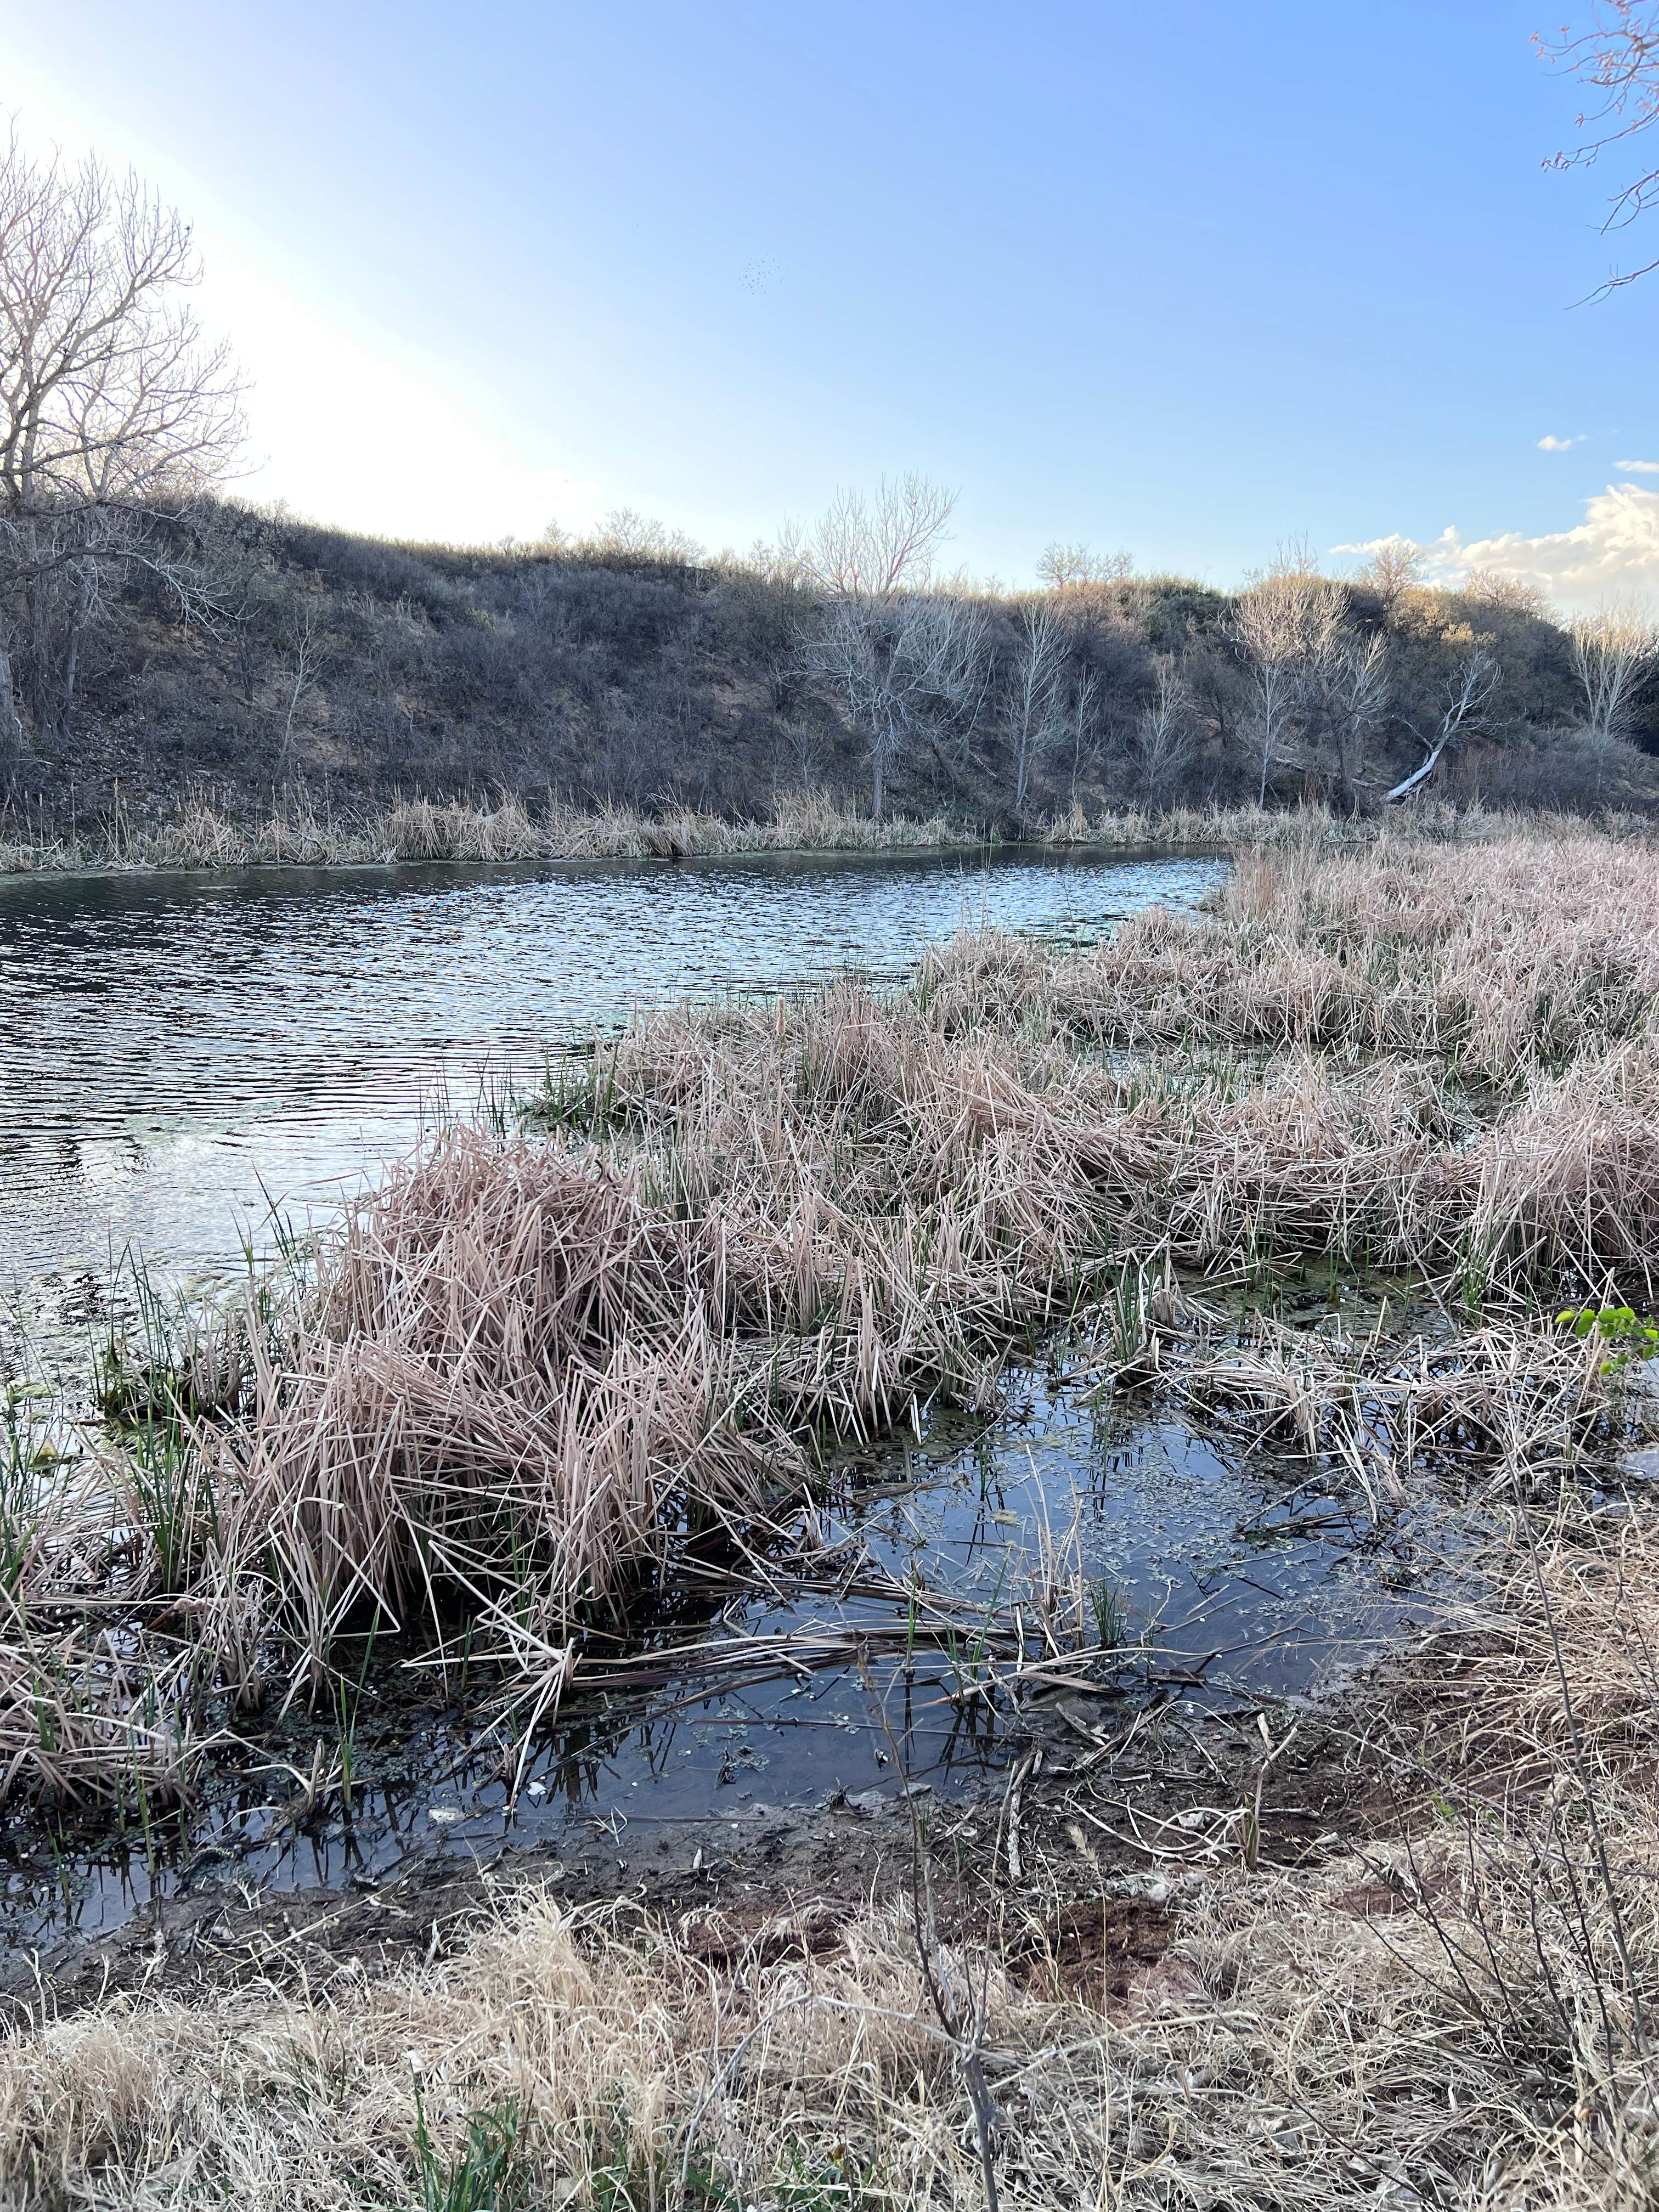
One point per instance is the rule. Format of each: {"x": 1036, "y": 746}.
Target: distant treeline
{"x": 628, "y": 669}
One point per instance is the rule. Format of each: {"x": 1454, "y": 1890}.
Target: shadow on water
{"x": 1220, "y": 1581}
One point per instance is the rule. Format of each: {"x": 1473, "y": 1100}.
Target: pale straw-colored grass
{"x": 202, "y": 834}
{"x": 545, "y": 1356}
{"x": 531, "y": 1366}
{"x": 1421, "y": 2025}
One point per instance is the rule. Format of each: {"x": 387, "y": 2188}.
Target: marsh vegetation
{"x": 551, "y": 1366}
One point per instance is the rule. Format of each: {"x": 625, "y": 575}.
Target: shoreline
{"x": 200, "y": 840}
{"x": 1408, "y": 1933}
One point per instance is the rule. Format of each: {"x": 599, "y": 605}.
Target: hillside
{"x": 627, "y": 672}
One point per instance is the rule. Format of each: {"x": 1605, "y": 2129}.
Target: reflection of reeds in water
{"x": 535, "y": 1363}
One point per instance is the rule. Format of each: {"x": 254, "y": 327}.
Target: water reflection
{"x": 1239, "y": 1579}
{"x": 175, "y": 1053}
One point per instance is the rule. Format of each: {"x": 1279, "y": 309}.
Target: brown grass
{"x": 201, "y": 836}
{"x": 1451, "y": 2020}
{"x": 528, "y": 1367}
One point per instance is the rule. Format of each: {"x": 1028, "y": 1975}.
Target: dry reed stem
{"x": 532, "y": 1367}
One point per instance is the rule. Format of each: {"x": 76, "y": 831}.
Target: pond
{"x": 178, "y": 1054}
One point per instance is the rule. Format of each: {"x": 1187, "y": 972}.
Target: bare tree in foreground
{"x": 1353, "y": 678}
{"x": 1619, "y": 58}
{"x": 298, "y": 672}
{"x": 111, "y": 413}
{"x": 1613, "y": 652}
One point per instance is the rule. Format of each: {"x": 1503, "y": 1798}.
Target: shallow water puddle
{"x": 1225, "y": 1580}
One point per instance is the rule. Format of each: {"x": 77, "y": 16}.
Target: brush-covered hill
{"x": 354, "y": 668}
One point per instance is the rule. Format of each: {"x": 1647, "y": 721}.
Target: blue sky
{"x": 1187, "y": 281}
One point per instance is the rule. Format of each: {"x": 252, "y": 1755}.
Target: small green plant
{"x": 173, "y": 1496}
{"x": 490, "y": 2172}
{"x": 1111, "y": 1614}
{"x": 1632, "y": 1335}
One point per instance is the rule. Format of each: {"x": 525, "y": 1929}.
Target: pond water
{"x": 179, "y": 1057}
{"x": 1240, "y": 1580}
{"x": 179, "y": 1054}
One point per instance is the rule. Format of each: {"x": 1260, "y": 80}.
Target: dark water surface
{"x": 1241, "y": 1579}
{"x": 178, "y": 1053}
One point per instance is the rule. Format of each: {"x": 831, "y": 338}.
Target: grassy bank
{"x": 203, "y": 836}
{"x": 543, "y": 1364}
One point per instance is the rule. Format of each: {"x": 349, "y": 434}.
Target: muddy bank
{"x": 1141, "y": 1808}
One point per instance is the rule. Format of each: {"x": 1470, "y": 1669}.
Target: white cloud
{"x": 1554, "y": 445}
{"x": 1614, "y": 549}
{"x": 1639, "y": 468}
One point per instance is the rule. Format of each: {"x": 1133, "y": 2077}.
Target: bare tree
{"x": 112, "y": 412}
{"x": 1344, "y": 702}
{"x": 867, "y": 553}
{"x": 1464, "y": 701}
{"x": 1513, "y": 594}
{"x": 909, "y": 664}
{"x": 1078, "y": 567}
{"x": 911, "y": 670}
{"x": 1166, "y": 735}
{"x": 1354, "y": 680}
{"x": 628, "y": 535}
{"x": 1282, "y": 623}
{"x": 1613, "y": 652}
{"x": 1395, "y": 567}
{"x": 1036, "y": 712}
{"x": 1619, "y": 56}
{"x": 1083, "y": 718}
{"x": 301, "y": 666}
